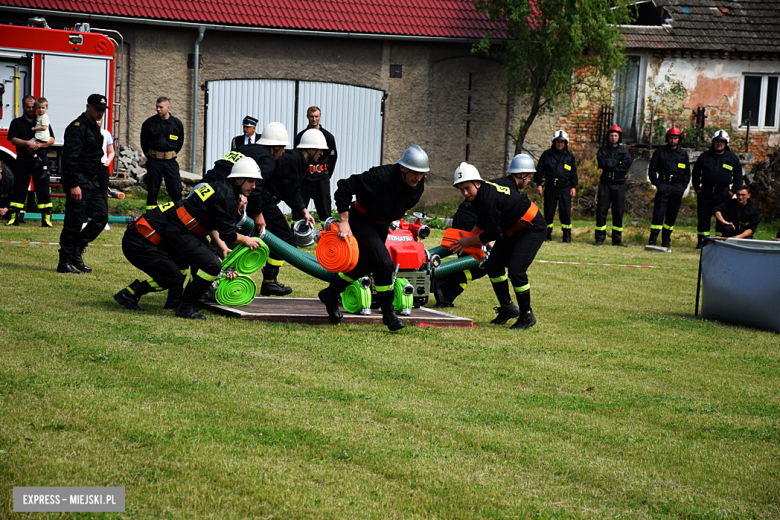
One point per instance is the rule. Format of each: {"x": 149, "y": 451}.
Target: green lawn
{"x": 618, "y": 403}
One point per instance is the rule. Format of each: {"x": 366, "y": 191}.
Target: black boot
{"x": 188, "y": 311}
{"x": 505, "y": 313}
{"x": 130, "y": 295}
{"x": 549, "y": 235}
{"x": 700, "y": 242}
{"x": 270, "y": 285}
{"x": 617, "y": 239}
{"x": 666, "y": 238}
{"x": 567, "y": 236}
{"x": 77, "y": 261}
{"x": 445, "y": 290}
{"x": 64, "y": 265}
{"x": 653, "y": 237}
{"x": 389, "y": 318}
{"x": 330, "y": 298}
{"x": 174, "y": 298}
{"x": 525, "y": 321}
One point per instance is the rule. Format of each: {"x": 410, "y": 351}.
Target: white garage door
{"x": 352, "y": 114}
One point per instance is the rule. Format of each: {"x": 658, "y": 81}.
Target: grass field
{"x": 617, "y": 404}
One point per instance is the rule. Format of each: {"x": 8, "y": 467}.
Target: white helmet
{"x": 415, "y": 159}
{"x": 274, "y": 134}
{"x": 313, "y": 138}
{"x": 465, "y": 173}
{"x": 522, "y": 163}
{"x": 560, "y": 134}
{"x": 245, "y": 167}
{"x": 721, "y": 134}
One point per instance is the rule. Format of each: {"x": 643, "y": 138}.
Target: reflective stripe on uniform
{"x": 499, "y": 279}
{"x": 565, "y": 226}
{"x": 467, "y": 272}
{"x": 276, "y": 263}
{"x": 550, "y": 225}
{"x": 655, "y": 227}
{"x": 615, "y": 228}
{"x": 383, "y": 288}
{"x": 524, "y": 288}
{"x": 206, "y": 276}
{"x": 666, "y": 226}
{"x": 148, "y": 208}
{"x": 346, "y": 278}
{"x": 601, "y": 228}
{"x": 41, "y": 206}
{"x": 154, "y": 284}
{"x": 17, "y": 205}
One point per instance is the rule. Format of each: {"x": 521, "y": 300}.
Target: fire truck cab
{"x": 63, "y": 66}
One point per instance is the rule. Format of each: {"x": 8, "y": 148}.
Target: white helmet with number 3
{"x": 465, "y": 173}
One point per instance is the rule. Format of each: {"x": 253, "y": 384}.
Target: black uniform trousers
{"x": 157, "y": 171}
{"x": 614, "y": 194}
{"x": 560, "y": 198}
{"x": 205, "y": 266}
{"x": 515, "y": 253}
{"x": 276, "y": 223}
{"x": 40, "y": 179}
{"x": 103, "y": 177}
{"x": 157, "y": 262}
{"x": 91, "y": 208}
{"x": 319, "y": 191}
{"x": 666, "y": 205}
{"x": 373, "y": 257}
{"x": 706, "y": 202}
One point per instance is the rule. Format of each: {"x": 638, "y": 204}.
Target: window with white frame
{"x": 760, "y": 101}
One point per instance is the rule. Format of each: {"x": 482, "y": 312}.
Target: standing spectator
{"x": 614, "y": 161}
{"x": 367, "y": 203}
{"x": 6, "y": 189}
{"x": 81, "y": 165}
{"x": 21, "y": 135}
{"x": 162, "y": 137}
{"x": 670, "y": 173}
{"x": 738, "y": 218}
{"x": 41, "y": 130}
{"x": 714, "y": 173}
{"x": 316, "y": 185}
{"x": 249, "y": 136}
{"x": 557, "y": 170}
{"x": 105, "y": 161}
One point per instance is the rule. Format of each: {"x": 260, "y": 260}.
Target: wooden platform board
{"x": 311, "y": 310}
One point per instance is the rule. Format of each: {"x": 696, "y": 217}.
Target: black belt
{"x": 610, "y": 176}
{"x": 671, "y": 179}
{"x": 560, "y": 183}
{"x": 715, "y": 189}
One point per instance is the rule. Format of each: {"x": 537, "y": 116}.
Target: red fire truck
{"x": 63, "y": 66}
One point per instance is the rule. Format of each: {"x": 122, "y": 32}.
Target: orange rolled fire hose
{"x": 334, "y": 254}
{"x": 452, "y": 235}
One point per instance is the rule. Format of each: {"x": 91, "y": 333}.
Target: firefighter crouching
{"x": 182, "y": 228}
{"x": 381, "y": 195}
{"x": 514, "y": 222}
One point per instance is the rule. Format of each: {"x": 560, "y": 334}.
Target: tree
{"x": 554, "y": 50}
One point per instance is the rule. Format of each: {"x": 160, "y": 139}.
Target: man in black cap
{"x": 316, "y": 184}
{"x": 162, "y": 137}
{"x": 81, "y": 164}
{"x": 21, "y": 135}
{"x": 249, "y": 136}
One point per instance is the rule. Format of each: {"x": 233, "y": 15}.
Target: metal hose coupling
{"x": 365, "y": 282}
{"x": 328, "y": 223}
{"x": 408, "y": 289}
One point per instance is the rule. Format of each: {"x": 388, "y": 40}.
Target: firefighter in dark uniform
{"x": 557, "y": 170}
{"x": 614, "y": 161}
{"x": 84, "y": 200}
{"x": 714, "y": 172}
{"x": 6, "y": 190}
{"x": 670, "y": 173}
{"x": 249, "y": 136}
{"x": 162, "y": 137}
{"x": 316, "y": 185}
{"x": 381, "y": 195}
{"x": 21, "y": 135}
{"x": 283, "y": 186}
{"x": 223, "y": 167}
{"x": 738, "y": 218}
{"x": 163, "y": 241}
{"x": 513, "y": 221}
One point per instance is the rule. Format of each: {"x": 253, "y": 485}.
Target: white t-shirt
{"x": 107, "y": 140}
{"x": 42, "y": 135}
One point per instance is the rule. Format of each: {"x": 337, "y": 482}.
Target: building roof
{"x": 734, "y": 26}
{"x": 424, "y": 18}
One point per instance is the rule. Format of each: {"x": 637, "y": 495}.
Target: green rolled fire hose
{"x": 237, "y": 292}
{"x": 245, "y": 261}
{"x": 401, "y": 301}
{"x": 303, "y": 261}
{"x": 454, "y": 266}
{"x": 356, "y": 298}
